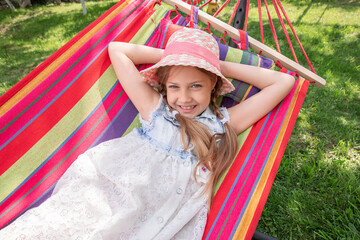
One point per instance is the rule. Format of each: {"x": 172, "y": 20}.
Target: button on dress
{"x": 140, "y": 186}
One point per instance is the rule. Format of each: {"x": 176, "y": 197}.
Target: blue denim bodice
{"x": 163, "y": 130}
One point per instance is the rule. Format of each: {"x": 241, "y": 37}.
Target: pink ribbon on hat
{"x": 193, "y": 50}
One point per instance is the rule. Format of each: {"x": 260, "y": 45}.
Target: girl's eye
{"x": 173, "y": 86}
{"x": 196, "y": 86}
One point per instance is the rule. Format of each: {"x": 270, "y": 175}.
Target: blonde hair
{"x": 215, "y": 152}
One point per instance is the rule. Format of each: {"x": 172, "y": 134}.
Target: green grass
{"x": 29, "y": 36}
{"x": 316, "y": 193}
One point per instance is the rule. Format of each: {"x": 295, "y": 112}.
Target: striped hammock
{"x": 73, "y": 101}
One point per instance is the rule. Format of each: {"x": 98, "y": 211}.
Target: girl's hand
{"x": 274, "y": 87}
{"x": 124, "y": 58}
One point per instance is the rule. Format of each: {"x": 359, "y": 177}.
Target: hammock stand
{"x": 73, "y": 101}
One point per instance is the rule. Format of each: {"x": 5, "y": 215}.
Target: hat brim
{"x": 150, "y": 77}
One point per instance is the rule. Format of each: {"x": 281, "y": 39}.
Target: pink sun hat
{"x": 190, "y": 47}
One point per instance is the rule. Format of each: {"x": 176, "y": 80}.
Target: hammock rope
{"x": 277, "y": 4}
{"x": 285, "y": 31}
{"x": 295, "y": 35}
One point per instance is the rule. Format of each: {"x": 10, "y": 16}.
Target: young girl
{"x": 157, "y": 181}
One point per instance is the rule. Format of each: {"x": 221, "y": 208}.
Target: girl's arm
{"x": 124, "y": 57}
{"x": 274, "y": 87}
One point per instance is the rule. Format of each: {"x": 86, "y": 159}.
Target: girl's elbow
{"x": 112, "y": 48}
{"x": 116, "y": 47}
{"x": 288, "y": 82}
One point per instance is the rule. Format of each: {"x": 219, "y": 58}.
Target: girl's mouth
{"x": 187, "y": 109}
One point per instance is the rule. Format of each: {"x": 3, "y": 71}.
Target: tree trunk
{"x": 11, "y": 6}
{"x": 83, "y": 7}
{"x": 24, "y": 3}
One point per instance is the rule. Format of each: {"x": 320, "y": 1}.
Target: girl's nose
{"x": 185, "y": 96}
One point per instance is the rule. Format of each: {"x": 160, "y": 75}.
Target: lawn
{"x": 316, "y": 193}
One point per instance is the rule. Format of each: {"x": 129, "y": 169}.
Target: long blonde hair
{"x": 215, "y": 152}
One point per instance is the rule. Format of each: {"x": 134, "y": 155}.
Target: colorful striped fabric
{"x": 242, "y": 194}
{"x": 68, "y": 104}
{"x": 73, "y": 101}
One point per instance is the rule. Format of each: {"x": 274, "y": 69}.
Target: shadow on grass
{"x": 14, "y": 68}
{"x": 27, "y": 44}
{"x": 316, "y": 191}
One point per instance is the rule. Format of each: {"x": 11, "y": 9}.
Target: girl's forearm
{"x": 259, "y": 77}
{"x": 138, "y": 54}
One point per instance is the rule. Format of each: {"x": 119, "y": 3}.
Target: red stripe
{"x": 133, "y": 28}
{"x": 42, "y": 188}
{"x": 242, "y": 40}
{"x": 28, "y": 78}
{"x": 248, "y": 144}
{"x": 59, "y": 155}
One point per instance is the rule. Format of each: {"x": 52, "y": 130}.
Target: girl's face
{"x": 189, "y": 90}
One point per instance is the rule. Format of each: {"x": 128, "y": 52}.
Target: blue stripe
{"x": 165, "y": 31}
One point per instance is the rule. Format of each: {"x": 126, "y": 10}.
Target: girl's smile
{"x": 189, "y": 90}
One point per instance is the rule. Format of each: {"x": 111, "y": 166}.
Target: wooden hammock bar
{"x": 253, "y": 43}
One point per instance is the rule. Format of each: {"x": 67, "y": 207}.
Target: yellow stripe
{"x": 247, "y": 93}
{"x": 33, "y": 158}
{"x": 60, "y": 60}
{"x": 254, "y": 201}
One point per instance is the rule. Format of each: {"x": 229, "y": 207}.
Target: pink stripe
{"x": 193, "y": 50}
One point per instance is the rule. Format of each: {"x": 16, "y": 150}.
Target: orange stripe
{"x": 247, "y": 92}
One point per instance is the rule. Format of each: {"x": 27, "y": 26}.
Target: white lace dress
{"x": 140, "y": 186}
